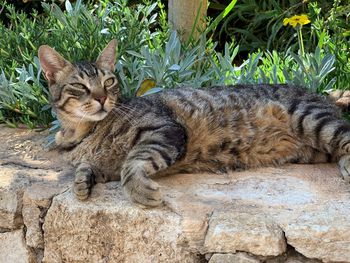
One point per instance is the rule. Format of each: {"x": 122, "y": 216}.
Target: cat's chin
{"x": 98, "y": 116}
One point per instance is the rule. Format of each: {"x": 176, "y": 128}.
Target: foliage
{"x": 79, "y": 33}
{"x": 147, "y": 54}
{"x": 176, "y": 66}
{"x": 25, "y": 100}
{"x": 258, "y": 25}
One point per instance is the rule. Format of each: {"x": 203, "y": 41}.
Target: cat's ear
{"x": 106, "y": 60}
{"x": 51, "y": 62}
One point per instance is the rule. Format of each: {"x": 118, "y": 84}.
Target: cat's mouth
{"x": 98, "y": 115}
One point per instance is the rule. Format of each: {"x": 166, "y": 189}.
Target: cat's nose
{"x": 101, "y": 99}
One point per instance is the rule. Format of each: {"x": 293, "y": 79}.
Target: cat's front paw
{"x": 142, "y": 190}
{"x": 83, "y": 181}
{"x": 344, "y": 165}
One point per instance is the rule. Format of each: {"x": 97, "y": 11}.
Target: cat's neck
{"x": 72, "y": 133}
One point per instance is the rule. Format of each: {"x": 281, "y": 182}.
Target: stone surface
{"x": 236, "y": 231}
{"x": 108, "y": 228}
{"x": 23, "y": 162}
{"x": 233, "y": 258}
{"x": 304, "y": 206}
{"x": 13, "y": 248}
{"x": 36, "y": 201}
{"x": 322, "y": 233}
{"x": 11, "y": 192}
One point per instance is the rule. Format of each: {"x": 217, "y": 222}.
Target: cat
{"x": 184, "y": 130}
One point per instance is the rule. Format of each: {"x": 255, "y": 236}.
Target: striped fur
{"x": 189, "y": 130}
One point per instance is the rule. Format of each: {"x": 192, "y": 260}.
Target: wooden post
{"x": 182, "y": 16}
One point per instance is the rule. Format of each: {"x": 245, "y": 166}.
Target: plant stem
{"x": 300, "y": 40}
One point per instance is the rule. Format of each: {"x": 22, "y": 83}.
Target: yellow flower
{"x": 296, "y": 20}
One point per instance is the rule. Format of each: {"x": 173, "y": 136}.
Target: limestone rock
{"x": 233, "y": 258}
{"x": 234, "y": 231}
{"x": 323, "y": 233}
{"x": 23, "y": 162}
{"x": 305, "y": 206}
{"x": 11, "y": 192}
{"x": 13, "y": 248}
{"x": 36, "y": 202}
{"x": 108, "y": 228}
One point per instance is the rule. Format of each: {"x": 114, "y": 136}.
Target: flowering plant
{"x": 297, "y": 22}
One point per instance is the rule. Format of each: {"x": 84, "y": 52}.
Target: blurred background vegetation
{"x": 248, "y": 45}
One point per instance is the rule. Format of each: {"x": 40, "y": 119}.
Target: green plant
{"x": 79, "y": 33}
{"x": 147, "y": 53}
{"x": 24, "y": 100}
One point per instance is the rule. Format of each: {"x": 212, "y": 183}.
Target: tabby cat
{"x": 183, "y": 130}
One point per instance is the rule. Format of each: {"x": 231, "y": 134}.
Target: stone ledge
{"x": 295, "y": 213}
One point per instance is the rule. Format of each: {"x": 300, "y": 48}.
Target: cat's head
{"x": 83, "y": 91}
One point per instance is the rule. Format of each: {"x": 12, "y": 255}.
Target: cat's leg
{"x": 155, "y": 149}
{"x": 344, "y": 165}
{"x": 84, "y": 180}
{"x": 321, "y": 127}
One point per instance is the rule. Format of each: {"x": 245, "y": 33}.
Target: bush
{"x": 148, "y": 56}
{"x": 79, "y": 33}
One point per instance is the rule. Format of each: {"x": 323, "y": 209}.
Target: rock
{"x": 233, "y": 258}
{"x": 108, "y": 228}
{"x": 11, "y": 191}
{"x": 323, "y": 233}
{"x": 304, "y": 206}
{"x": 296, "y": 198}
{"x": 14, "y": 181}
{"x": 36, "y": 202}
{"x": 23, "y": 162}
{"x": 291, "y": 256}
{"x": 13, "y": 248}
{"x": 236, "y": 231}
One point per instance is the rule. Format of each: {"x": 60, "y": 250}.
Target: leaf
{"x": 221, "y": 16}
{"x": 174, "y": 67}
{"x": 152, "y": 91}
{"x": 135, "y": 54}
{"x": 105, "y": 31}
{"x": 145, "y": 86}
{"x": 68, "y": 6}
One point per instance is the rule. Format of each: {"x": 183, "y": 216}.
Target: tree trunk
{"x": 182, "y": 17}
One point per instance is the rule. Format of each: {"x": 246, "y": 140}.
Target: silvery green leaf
{"x": 105, "y": 31}
{"x": 77, "y": 5}
{"x": 174, "y": 67}
{"x": 136, "y": 54}
{"x": 68, "y": 6}
{"x": 298, "y": 60}
{"x": 330, "y": 85}
{"x": 327, "y": 65}
{"x": 152, "y": 91}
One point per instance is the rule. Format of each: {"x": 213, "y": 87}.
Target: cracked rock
{"x": 13, "y": 248}
{"x": 108, "y": 228}
{"x": 36, "y": 202}
{"x": 240, "y": 257}
{"x": 237, "y": 231}
{"x": 255, "y": 211}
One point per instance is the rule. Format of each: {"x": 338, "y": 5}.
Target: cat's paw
{"x": 83, "y": 181}
{"x": 344, "y": 165}
{"x": 142, "y": 190}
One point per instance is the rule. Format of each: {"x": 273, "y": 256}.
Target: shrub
{"x": 147, "y": 54}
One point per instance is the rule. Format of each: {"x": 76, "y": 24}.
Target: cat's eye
{"x": 76, "y": 92}
{"x": 109, "y": 82}
{"x": 77, "y": 89}
{"x": 79, "y": 86}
